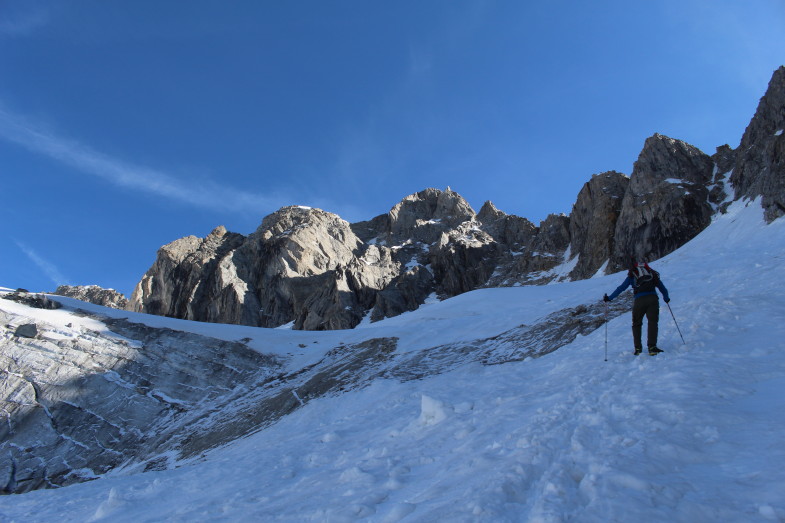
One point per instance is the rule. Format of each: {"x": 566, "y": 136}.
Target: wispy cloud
{"x": 48, "y": 268}
{"x": 21, "y": 20}
{"x": 202, "y": 193}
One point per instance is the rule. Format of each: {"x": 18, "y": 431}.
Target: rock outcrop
{"x": 94, "y": 294}
{"x": 593, "y": 222}
{"x": 666, "y": 203}
{"x": 26, "y": 330}
{"x": 463, "y": 259}
{"x": 38, "y": 301}
{"x": 188, "y": 280}
{"x": 311, "y": 269}
{"x": 301, "y": 266}
{"x": 78, "y": 403}
{"x": 759, "y": 169}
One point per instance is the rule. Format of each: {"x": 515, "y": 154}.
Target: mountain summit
{"x": 310, "y": 269}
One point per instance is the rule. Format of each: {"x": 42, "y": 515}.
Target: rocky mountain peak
{"x": 760, "y": 159}
{"x": 312, "y": 269}
{"x": 292, "y": 218}
{"x": 489, "y": 213}
{"x": 179, "y": 249}
{"x": 592, "y": 219}
{"x": 770, "y": 114}
{"x": 219, "y": 232}
{"x": 667, "y": 202}
{"x": 425, "y": 215}
{"x": 452, "y": 208}
{"x": 664, "y": 158}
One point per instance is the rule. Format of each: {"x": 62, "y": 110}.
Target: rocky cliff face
{"x": 311, "y": 269}
{"x": 759, "y": 170}
{"x": 94, "y": 294}
{"x": 666, "y": 203}
{"x": 593, "y": 222}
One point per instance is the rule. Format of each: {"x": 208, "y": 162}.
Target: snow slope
{"x": 692, "y": 435}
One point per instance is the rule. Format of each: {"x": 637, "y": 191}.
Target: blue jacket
{"x": 629, "y": 281}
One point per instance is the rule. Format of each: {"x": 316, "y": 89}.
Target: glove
{"x": 605, "y": 298}
{"x": 667, "y": 300}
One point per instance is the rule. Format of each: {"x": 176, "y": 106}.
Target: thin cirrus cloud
{"x": 205, "y": 194}
{"x": 48, "y": 268}
{"x": 21, "y": 22}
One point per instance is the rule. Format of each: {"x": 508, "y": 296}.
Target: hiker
{"x": 645, "y": 281}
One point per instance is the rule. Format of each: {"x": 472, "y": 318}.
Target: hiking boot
{"x": 653, "y": 351}
{"x": 637, "y": 351}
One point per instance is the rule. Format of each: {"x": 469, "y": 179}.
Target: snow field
{"x": 690, "y": 435}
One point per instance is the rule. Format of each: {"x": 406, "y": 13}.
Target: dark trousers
{"x": 648, "y": 306}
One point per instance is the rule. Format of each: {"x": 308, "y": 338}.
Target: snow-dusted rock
{"x": 463, "y": 259}
{"x": 79, "y": 402}
{"x": 94, "y": 294}
{"x": 311, "y": 269}
{"x": 507, "y": 229}
{"x": 593, "y": 222}
{"x": 760, "y": 160}
{"x": 666, "y": 203}
{"x": 39, "y": 301}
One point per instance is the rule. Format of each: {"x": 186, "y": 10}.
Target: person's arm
{"x": 663, "y": 290}
{"x": 627, "y": 282}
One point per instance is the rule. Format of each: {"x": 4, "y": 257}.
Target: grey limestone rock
{"x": 296, "y": 254}
{"x": 531, "y": 262}
{"x": 405, "y": 293}
{"x": 311, "y": 269}
{"x": 463, "y": 259}
{"x": 94, "y": 294}
{"x": 514, "y": 231}
{"x": 302, "y": 266}
{"x": 424, "y": 216}
{"x": 724, "y": 160}
{"x": 593, "y": 222}
{"x": 666, "y": 203}
{"x": 760, "y": 161}
{"x": 78, "y": 403}
{"x": 421, "y": 217}
{"x": 548, "y": 250}
{"x": 27, "y": 330}
{"x": 183, "y": 281}
{"x": 38, "y": 301}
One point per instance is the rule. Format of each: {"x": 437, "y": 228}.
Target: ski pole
{"x": 675, "y": 323}
{"x": 606, "y": 331}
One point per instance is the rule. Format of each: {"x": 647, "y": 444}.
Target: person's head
{"x": 638, "y": 267}
{"x": 637, "y": 262}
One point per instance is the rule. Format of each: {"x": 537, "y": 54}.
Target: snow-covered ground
{"x": 694, "y": 434}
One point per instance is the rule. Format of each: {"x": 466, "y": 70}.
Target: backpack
{"x": 644, "y": 278}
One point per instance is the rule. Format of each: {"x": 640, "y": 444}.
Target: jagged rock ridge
{"x": 94, "y": 294}
{"x": 759, "y": 169}
{"x": 311, "y": 269}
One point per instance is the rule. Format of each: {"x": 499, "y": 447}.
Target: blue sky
{"x": 127, "y": 125}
